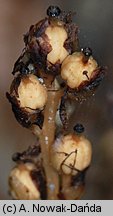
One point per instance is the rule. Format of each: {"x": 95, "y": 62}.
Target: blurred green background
{"x": 95, "y": 21}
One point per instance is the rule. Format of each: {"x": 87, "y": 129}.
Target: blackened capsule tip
{"x": 16, "y": 156}
{"x": 53, "y": 11}
{"x": 87, "y": 51}
{"x": 78, "y": 128}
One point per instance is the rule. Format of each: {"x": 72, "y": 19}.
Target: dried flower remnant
{"x": 51, "y": 40}
{"x": 63, "y": 113}
{"x": 24, "y": 64}
{"x": 31, "y": 155}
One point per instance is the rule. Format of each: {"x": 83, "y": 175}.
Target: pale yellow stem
{"x": 47, "y": 139}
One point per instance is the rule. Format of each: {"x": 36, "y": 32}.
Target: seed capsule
{"x": 31, "y": 93}
{"x": 28, "y": 98}
{"x": 73, "y": 68}
{"x": 21, "y": 185}
{"x": 71, "y": 154}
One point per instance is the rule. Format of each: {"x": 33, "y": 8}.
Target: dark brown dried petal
{"x": 22, "y": 64}
{"x": 39, "y": 180}
{"x": 72, "y": 42}
{"x": 63, "y": 113}
{"x": 66, "y": 17}
{"x": 29, "y": 155}
{"x": 37, "y": 43}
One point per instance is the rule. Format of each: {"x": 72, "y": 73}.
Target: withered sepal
{"x": 32, "y": 154}
{"x": 39, "y": 180}
{"x": 63, "y": 113}
{"x": 24, "y": 64}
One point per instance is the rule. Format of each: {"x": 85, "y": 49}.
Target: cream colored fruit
{"x": 32, "y": 94}
{"x": 71, "y": 153}
{"x": 21, "y": 184}
{"x": 57, "y": 36}
{"x": 73, "y": 67}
